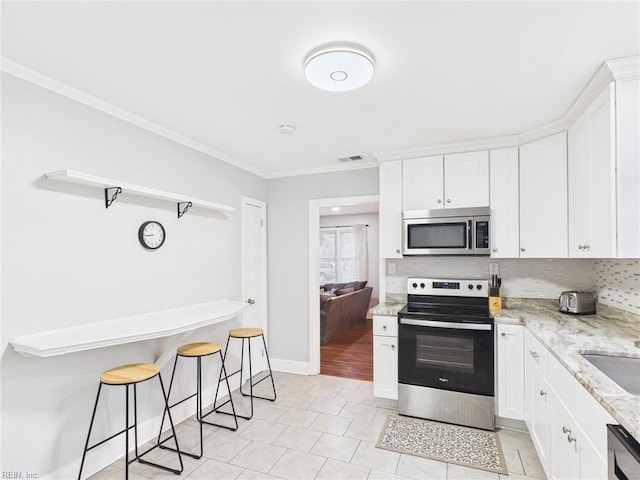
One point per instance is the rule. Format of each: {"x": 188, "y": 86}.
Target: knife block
{"x": 495, "y": 301}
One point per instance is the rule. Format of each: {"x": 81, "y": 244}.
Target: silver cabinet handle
{"x": 494, "y": 250}
{"x": 448, "y": 200}
{"x": 534, "y": 354}
{"x": 503, "y": 334}
{"x": 587, "y": 247}
{"x": 251, "y": 301}
{"x": 542, "y": 393}
{"x": 397, "y": 251}
{"x": 393, "y": 347}
{"x": 523, "y": 249}
{"x": 565, "y": 429}
{"x": 579, "y": 247}
{"x": 384, "y": 327}
{"x": 570, "y": 438}
{"x": 439, "y": 200}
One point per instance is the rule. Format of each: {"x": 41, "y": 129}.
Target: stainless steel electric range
{"x": 446, "y": 352}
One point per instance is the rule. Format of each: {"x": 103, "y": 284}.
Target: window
{"x": 343, "y": 255}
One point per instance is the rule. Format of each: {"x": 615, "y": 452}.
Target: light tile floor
{"x": 319, "y": 427}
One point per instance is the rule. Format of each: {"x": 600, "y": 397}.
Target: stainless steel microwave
{"x": 447, "y": 231}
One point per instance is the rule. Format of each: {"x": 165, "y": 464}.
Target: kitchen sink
{"x": 622, "y": 370}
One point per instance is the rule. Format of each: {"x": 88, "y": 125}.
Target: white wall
{"x": 67, "y": 261}
{"x": 370, "y": 219}
{"x": 288, "y": 239}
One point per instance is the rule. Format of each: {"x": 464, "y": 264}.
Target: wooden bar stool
{"x": 247, "y": 334}
{"x": 129, "y": 375}
{"x": 197, "y": 351}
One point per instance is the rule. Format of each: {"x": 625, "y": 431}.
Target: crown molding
{"x": 360, "y": 165}
{"x": 65, "y": 90}
{"x": 452, "y": 147}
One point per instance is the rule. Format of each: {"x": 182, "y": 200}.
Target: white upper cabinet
{"x": 543, "y": 198}
{"x": 591, "y": 152}
{"x": 503, "y": 199}
{"x": 390, "y": 210}
{"x": 466, "y": 180}
{"x": 628, "y": 167}
{"x": 422, "y": 181}
{"x": 449, "y": 181}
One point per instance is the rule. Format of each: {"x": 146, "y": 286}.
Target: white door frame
{"x": 243, "y": 261}
{"x": 314, "y": 270}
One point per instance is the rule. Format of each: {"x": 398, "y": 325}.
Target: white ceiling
{"x": 226, "y": 74}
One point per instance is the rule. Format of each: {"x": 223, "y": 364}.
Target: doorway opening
{"x": 344, "y": 273}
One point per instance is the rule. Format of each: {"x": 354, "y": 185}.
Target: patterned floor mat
{"x": 440, "y": 441}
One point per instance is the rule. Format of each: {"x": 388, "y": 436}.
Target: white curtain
{"x": 344, "y": 254}
{"x": 361, "y": 251}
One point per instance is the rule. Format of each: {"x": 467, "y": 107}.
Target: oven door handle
{"x": 456, "y": 325}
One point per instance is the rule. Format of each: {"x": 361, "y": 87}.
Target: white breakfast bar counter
{"x": 129, "y": 329}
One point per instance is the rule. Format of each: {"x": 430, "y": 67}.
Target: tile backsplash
{"x": 617, "y": 283}
{"x": 539, "y": 278}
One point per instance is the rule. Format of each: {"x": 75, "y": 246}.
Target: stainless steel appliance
{"x": 446, "y": 352}
{"x": 623, "y": 454}
{"x": 447, "y": 231}
{"x": 575, "y": 301}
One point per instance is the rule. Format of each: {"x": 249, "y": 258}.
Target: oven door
{"x": 454, "y": 356}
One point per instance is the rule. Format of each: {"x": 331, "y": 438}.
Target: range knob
{"x": 479, "y": 287}
{"x": 422, "y": 285}
{"x": 470, "y": 287}
{"x": 414, "y": 285}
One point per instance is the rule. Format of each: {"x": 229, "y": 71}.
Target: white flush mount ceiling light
{"x": 339, "y": 67}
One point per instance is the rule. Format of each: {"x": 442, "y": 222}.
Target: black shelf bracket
{"x": 109, "y": 197}
{"x": 182, "y": 211}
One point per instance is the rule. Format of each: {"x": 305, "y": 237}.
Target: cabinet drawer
{"x": 387, "y": 326}
{"x": 536, "y": 354}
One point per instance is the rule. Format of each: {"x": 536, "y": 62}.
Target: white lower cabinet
{"x": 539, "y": 416}
{"x": 385, "y": 357}
{"x": 510, "y": 361}
{"x": 573, "y": 454}
{"x": 566, "y": 424}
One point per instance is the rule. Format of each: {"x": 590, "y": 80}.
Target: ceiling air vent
{"x": 351, "y": 158}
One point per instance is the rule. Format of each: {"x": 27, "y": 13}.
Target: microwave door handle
{"x": 470, "y": 234}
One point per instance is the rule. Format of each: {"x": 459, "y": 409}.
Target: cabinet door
{"x": 574, "y": 456}
{"x": 422, "y": 183}
{"x": 510, "y": 345}
{"x": 390, "y": 215}
{"x": 385, "y": 367}
{"x": 564, "y": 440}
{"x": 539, "y": 416}
{"x": 503, "y": 199}
{"x": 591, "y": 164}
{"x": 466, "y": 180}
{"x": 543, "y": 198}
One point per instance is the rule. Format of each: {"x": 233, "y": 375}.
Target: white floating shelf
{"x": 126, "y": 329}
{"x": 71, "y": 176}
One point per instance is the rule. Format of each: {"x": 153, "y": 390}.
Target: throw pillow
{"x": 344, "y": 291}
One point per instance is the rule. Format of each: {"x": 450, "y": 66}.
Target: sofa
{"x": 342, "y": 306}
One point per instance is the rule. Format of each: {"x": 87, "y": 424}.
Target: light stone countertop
{"x": 610, "y": 331}
{"x": 387, "y": 309}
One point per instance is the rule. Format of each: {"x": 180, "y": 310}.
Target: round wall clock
{"x": 151, "y": 234}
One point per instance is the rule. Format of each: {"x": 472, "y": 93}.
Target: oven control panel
{"x": 447, "y": 287}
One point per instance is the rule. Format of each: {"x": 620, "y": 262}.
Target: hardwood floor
{"x": 350, "y": 355}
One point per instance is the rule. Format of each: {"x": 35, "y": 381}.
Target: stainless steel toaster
{"x": 575, "y": 301}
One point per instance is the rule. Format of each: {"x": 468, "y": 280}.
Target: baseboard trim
{"x": 290, "y": 366}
